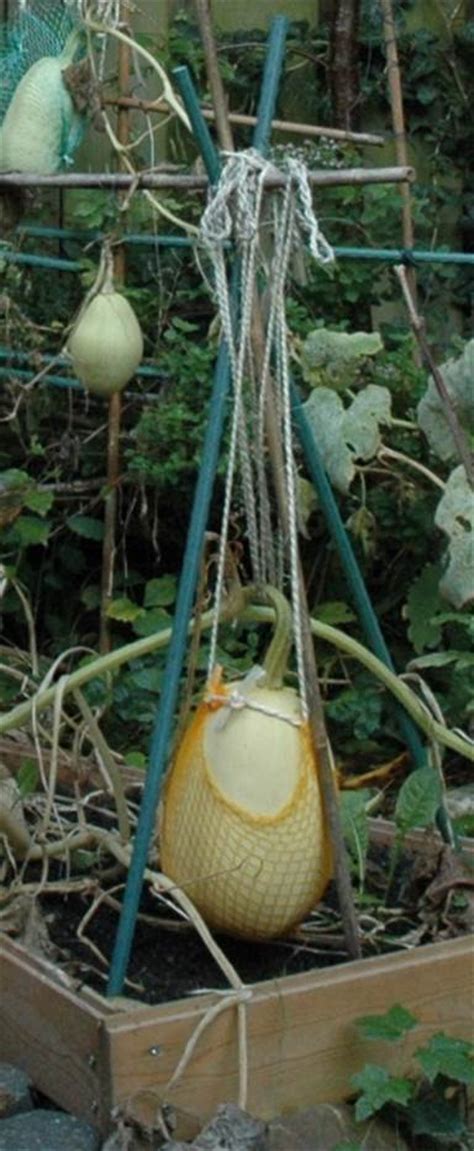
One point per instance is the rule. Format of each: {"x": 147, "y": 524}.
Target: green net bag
{"x": 40, "y": 126}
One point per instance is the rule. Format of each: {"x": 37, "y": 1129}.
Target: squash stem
{"x": 276, "y": 659}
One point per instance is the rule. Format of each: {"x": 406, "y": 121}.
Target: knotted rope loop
{"x": 234, "y": 213}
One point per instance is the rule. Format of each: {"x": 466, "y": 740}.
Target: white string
{"x": 236, "y": 701}
{"x": 234, "y": 213}
{"x": 242, "y": 182}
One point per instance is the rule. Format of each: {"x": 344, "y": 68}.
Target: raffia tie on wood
{"x": 234, "y": 213}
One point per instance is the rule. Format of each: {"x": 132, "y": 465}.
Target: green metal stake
{"x": 326, "y": 496}
{"x": 349, "y": 564}
{"x": 187, "y": 586}
{"x": 357, "y": 586}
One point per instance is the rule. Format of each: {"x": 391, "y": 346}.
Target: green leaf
{"x": 160, "y": 592}
{"x": 423, "y": 604}
{"x": 38, "y": 500}
{"x": 394, "y": 1024}
{"x": 148, "y": 678}
{"x": 379, "y": 1088}
{"x": 124, "y": 609}
{"x": 455, "y": 516}
{"x": 463, "y": 619}
{"x": 334, "y": 612}
{"x": 157, "y": 619}
{"x": 442, "y": 659}
{"x": 13, "y": 479}
{"x": 458, "y": 376}
{"x": 345, "y": 435}
{"x": 444, "y": 1055}
{"x": 331, "y": 359}
{"x": 418, "y": 800}
{"x": 358, "y": 708}
{"x": 27, "y": 777}
{"x": 355, "y": 826}
{"x": 87, "y": 527}
{"x": 135, "y": 759}
{"x": 30, "y": 530}
{"x": 438, "y": 1118}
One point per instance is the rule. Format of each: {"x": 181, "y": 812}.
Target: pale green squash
{"x": 106, "y": 344}
{"x": 41, "y": 127}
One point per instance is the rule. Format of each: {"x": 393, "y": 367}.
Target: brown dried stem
{"x": 398, "y": 123}
{"x": 417, "y": 325}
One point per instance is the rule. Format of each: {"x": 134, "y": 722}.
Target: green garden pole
{"x": 357, "y": 586}
{"x": 360, "y": 595}
{"x": 190, "y": 572}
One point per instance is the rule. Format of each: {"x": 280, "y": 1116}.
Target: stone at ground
{"x": 47, "y": 1131}
{"x": 326, "y": 1126}
{"x": 230, "y": 1129}
{"x": 15, "y": 1091}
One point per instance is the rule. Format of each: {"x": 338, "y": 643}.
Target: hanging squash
{"x": 106, "y": 343}
{"x": 242, "y": 825}
{"x": 41, "y": 127}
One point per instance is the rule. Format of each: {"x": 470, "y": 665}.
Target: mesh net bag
{"x": 40, "y": 125}
{"x": 37, "y": 29}
{"x": 242, "y": 826}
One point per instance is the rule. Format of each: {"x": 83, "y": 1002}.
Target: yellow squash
{"x": 242, "y": 827}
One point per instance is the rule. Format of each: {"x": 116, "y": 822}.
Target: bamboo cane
{"x": 296, "y": 128}
{"x": 168, "y": 181}
{"x": 115, "y": 402}
{"x": 398, "y": 124}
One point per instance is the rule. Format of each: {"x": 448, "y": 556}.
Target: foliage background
{"x": 52, "y": 452}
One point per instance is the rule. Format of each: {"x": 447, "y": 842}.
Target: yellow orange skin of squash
{"x": 251, "y": 874}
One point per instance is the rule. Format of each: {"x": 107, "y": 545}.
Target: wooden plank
{"x": 383, "y": 832}
{"x": 55, "y": 1037}
{"x": 302, "y": 1043}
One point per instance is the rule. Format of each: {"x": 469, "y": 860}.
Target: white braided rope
{"x": 234, "y": 212}
{"x": 283, "y": 252}
{"x": 237, "y": 701}
{"x": 244, "y": 183}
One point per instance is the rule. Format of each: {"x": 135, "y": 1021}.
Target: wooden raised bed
{"x": 93, "y": 1056}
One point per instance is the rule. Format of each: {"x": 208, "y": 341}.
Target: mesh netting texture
{"x": 36, "y": 29}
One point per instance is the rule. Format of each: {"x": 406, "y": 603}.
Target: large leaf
{"x": 331, "y": 359}
{"x": 455, "y": 516}
{"x": 422, "y": 608}
{"x": 345, "y": 435}
{"x": 458, "y": 376}
{"x": 418, "y": 800}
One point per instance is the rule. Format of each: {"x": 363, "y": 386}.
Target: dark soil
{"x": 170, "y": 962}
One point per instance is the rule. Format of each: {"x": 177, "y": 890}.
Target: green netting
{"x": 37, "y": 28}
